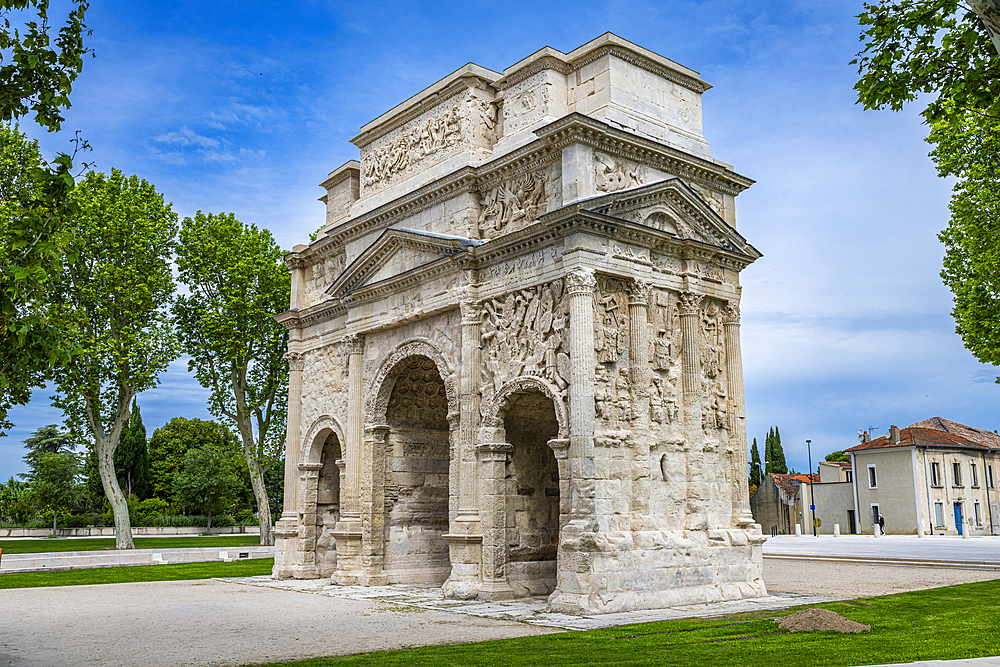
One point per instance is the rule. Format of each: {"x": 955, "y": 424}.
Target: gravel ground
{"x": 221, "y": 623}
{"x": 861, "y": 580}
{"x": 215, "y": 623}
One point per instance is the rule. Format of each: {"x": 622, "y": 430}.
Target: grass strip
{"x": 37, "y": 545}
{"x": 138, "y": 573}
{"x": 951, "y": 623}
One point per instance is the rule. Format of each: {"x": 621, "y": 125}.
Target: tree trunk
{"x": 113, "y": 492}
{"x": 55, "y": 520}
{"x": 263, "y": 506}
{"x": 209, "y": 520}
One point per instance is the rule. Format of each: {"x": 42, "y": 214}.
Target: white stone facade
{"x": 514, "y": 351}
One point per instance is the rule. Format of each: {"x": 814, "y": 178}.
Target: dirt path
{"x": 215, "y": 623}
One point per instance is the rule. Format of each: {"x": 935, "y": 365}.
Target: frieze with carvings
{"x": 612, "y": 174}
{"x": 525, "y": 333}
{"x": 715, "y": 414}
{"x": 665, "y": 347}
{"x": 612, "y": 389}
{"x": 518, "y": 266}
{"x": 514, "y": 204}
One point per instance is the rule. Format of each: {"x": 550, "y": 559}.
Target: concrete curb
{"x": 75, "y": 560}
{"x": 902, "y": 562}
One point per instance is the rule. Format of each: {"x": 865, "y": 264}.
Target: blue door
{"x": 958, "y": 517}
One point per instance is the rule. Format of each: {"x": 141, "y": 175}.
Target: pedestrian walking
{"x": 881, "y": 524}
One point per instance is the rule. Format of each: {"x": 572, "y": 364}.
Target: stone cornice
{"x": 341, "y": 174}
{"x": 577, "y": 128}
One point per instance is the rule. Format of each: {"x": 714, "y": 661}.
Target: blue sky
{"x": 245, "y": 107}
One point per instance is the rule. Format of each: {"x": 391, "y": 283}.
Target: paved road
{"x": 936, "y": 547}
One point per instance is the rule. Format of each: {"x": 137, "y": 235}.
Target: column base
{"x": 305, "y": 571}
{"x": 286, "y": 543}
{"x": 466, "y": 553}
{"x": 495, "y": 590}
{"x": 349, "y": 571}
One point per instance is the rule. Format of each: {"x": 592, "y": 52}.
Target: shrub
{"x": 244, "y": 517}
{"x": 150, "y": 509}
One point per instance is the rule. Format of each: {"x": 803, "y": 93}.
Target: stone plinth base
{"x": 466, "y": 552}
{"x": 286, "y": 548}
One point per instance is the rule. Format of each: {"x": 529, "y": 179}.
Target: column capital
{"x": 296, "y": 361}
{"x": 494, "y": 451}
{"x": 581, "y": 281}
{"x": 731, "y": 313}
{"x": 295, "y": 261}
{"x": 354, "y": 343}
{"x": 638, "y": 293}
{"x": 307, "y": 470}
{"x": 471, "y": 312}
{"x": 376, "y": 431}
{"x": 689, "y": 303}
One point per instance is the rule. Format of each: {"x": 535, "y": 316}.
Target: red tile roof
{"x": 789, "y": 484}
{"x": 938, "y": 433}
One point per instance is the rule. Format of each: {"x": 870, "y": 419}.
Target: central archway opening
{"x": 417, "y": 459}
{"x": 532, "y": 494}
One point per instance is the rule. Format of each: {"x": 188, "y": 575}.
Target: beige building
{"x": 514, "y": 348}
{"x": 935, "y": 477}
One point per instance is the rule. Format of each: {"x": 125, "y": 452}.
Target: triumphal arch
{"x": 514, "y": 346}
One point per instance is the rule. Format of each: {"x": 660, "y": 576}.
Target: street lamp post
{"x": 812, "y": 495}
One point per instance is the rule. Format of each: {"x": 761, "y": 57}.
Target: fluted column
{"x": 737, "y": 414}
{"x": 355, "y": 426}
{"x": 580, "y": 284}
{"x": 638, "y": 352}
{"x": 373, "y": 506}
{"x": 468, "y": 500}
{"x": 296, "y": 363}
{"x": 689, "y": 306}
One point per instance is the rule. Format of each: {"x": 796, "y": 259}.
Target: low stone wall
{"x": 73, "y": 560}
{"x": 137, "y": 531}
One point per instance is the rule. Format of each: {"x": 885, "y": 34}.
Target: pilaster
{"x": 468, "y": 496}
{"x": 305, "y": 567}
{"x": 373, "y": 506}
{"x": 742, "y": 515}
{"x": 493, "y": 455}
{"x": 689, "y": 306}
{"x": 348, "y": 529}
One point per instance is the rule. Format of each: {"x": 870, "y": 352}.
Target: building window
{"x": 872, "y": 481}
{"x": 850, "y": 475}
{"x": 956, "y": 473}
{"x": 939, "y": 515}
{"x": 975, "y": 476}
{"x": 989, "y": 476}
{"x": 979, "y": 520}
{"x": 935, "y": 474}
{"x": 875, "y": 515}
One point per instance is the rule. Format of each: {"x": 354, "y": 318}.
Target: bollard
{"x": 836, "y": 530}
{"x": 875, "y": 530}
{"x": 798, "y": 530}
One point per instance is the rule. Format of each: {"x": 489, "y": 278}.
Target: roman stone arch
{"x": 412, "y": 415}
{"x": 321, "y": 470}
{"x": 497, "y": 408}
{"x": 381, "y": 386}
{"x": 661, "y": 217}
{"x": 312, "y": 444}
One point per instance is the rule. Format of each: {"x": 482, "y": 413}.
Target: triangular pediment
{"x": 395, "y": 252}
{"x": 675, "y": 207}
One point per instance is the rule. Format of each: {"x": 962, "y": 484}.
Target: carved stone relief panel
{"x": 468, "y": 121}
{"x": 519, "y": 268}
{"x": 418, "y": 398}
{"x": 715, "y": 413}
{"x": 713, "y": 199}
{"x": 324, "y": 380}
{"x": 515, "y": 203}
{"x": 665, "y": 341}
{"x": 525, "y": 103}
{"x": 612, "y": 174}
{"x": 321, "y": 275}
{"x": 526, "y": 333}
{"x": 612, "y": 390}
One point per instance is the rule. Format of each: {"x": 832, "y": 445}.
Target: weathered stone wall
{"x": 328, "y": 507}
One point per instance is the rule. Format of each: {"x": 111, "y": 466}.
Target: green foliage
{"x": 37, "y": 72}
{"x": 132, "y": 457}
{"x": 48, "y": 440}
{"x": 206, "y": 482}
{"x": 52, "y": 482}
{"x": 838, "y": 457}
{"x": 252, "y": 567}
{"x": 774, "y": 455}
{"x": 942, "y": 48}
{"x": 14, "y": 506}
{"x": 150, "y": 508}
{"x": 237, "y": 282}
{"x": 28, "y": 546}
{"x": 112, "y": 303}
{"x": 966, "y": 147}
{"x": 172, "y": 441}
{"x": 755, "y": 472}
{"x": 938, "y": 47}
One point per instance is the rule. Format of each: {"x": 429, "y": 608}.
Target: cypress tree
{"x": 755, "y": 472}
{"x": 778, "y": 453}
{"x": 769, "y": 452}
{"x": 132, "y": 456}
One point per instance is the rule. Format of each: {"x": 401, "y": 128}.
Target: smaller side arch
{"x": 501, "y": 402}
{"x": 319, "y": 430}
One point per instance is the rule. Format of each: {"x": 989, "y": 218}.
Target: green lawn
{"x": 39, "y": 545}
{"x": 937, "y": 624}
{"x": 127, "y": 575}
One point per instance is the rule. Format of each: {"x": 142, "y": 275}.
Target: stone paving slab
{"x": 534, "y": 611}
